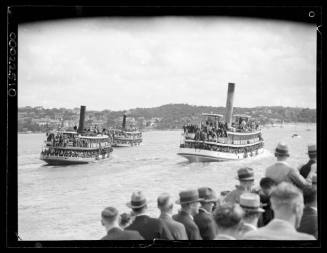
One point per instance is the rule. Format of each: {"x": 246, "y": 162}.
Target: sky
{"x": 125, "y": 63}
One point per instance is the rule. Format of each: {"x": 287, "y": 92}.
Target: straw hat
{"x": 250, "y": 202}
{"x": 138, "y": 200}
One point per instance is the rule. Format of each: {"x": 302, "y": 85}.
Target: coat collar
{"x": 204, "y": 211}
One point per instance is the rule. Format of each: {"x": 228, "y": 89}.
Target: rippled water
{"x": 64, "y": 203}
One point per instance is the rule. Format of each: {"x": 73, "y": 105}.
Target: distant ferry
{"x": 75, "y": 147}
{"x": 125, "y": 137}
{"x": 216, "y": 140}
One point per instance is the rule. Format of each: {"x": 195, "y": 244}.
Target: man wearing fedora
{"x": 228, "y": 217}
{"x": 287, "y": 203}
{"x": 309, "y": 222}
{"x": 282, "y": 172}
{"x": 189, "y": 201}
{"x": 149, "y": 228}
{"x": 250, "y": 203}
{"x": 312, "y": 153}
{"x": 246, "y": 178}
{"x": 204, "y": 219}
{"x": 165, "y": 206}
{"x": 110, "y": 220}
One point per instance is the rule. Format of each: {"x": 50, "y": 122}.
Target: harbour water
{"x": 65, "y": 202}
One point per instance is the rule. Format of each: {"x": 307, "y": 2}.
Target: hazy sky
{"x": 124, "y": 63}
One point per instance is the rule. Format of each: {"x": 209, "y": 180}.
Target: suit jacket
{"x": 277, "y": 230}
{"x": 234, "y": 196}
{"x": 206, "y": 225}
{"x": 245, "y": 228}
{"x": 150, "y": 228}
{"x": 119, "y": 234}
{"x": 176, "y": 229}
{"x": 309, "y": 223}
{"x": 282, "y": 172}
{"x": 305, "y": 169}
{"x": 191, "y": 228}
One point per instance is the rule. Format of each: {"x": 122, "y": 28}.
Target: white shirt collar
{"x": 282, "y": 162}
{"x": 314, "y": 208}
{"x": 226, "y": 236}
{"x": 250, "y": 225}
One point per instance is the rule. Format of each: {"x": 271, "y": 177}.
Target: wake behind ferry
{"x": 219, "y": 138}
{"x": 75, "y": 147}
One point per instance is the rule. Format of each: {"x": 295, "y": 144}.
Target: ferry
{"x": 125, "y": 137}
{"x": 218, "y": 138}
{"x": 75, "y": 147}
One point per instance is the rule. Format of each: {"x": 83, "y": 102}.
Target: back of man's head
{"x": 110, "y": 215}
{"x": 267, "y": 182}
{"x": 286, "y": 199}
{"x": 228, "y": 216}
{"x": 164, "y": 203}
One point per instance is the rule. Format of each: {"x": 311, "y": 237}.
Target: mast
{"x": 81, "y": 119}
{"x": 229, "y": 104}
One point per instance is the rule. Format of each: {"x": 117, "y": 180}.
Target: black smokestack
{"x": 124, "y": 121}
{"x": 229, "y": 104}
{"x": 81, "y": 119}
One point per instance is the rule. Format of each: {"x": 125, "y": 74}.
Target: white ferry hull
{"x": 201, "y": 155}
{"x": 64, "y": 160}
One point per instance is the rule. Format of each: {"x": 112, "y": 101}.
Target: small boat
{"x": 75, "y": 147}
{"x": 295, "y": 135}
{"x": 216, "y": 140}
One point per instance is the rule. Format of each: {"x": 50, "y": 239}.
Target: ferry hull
{"x": 200, "y": 155}
{"x": 55, "y": 160}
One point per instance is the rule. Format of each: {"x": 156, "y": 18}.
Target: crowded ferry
{"x": 218, "y": 139}
{"x": 76, "y": 147}
{"x": 125, "y": 137}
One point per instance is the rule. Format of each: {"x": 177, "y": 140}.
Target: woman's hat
{"x": 137, "y": 200}
{"x": 245, "y": 174}
{"x": 188, "y": 196}
{"x": 207, "y": 194}
{"x": 282, "y": 149}
{"x": 251, "y": 202}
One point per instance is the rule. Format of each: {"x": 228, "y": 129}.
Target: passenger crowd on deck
{"x": 75, "y": 153}
{"x": 253, "y": 150}
{"x": 282, "y": 207}
{"x": 211, "y": 132}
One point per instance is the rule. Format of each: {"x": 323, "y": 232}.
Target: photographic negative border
{"x": 19, "y": 12}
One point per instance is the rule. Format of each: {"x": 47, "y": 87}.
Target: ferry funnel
{"x": 81, "y": 119}
{"x": 124, "y": 121}
{"x": 229, "y": 104}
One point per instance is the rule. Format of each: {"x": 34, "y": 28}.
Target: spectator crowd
{"x": 284, "y": 207}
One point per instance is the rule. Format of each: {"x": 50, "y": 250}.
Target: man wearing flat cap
{"x": 282, "y": 172}
{"x": 312, "y": 153}
{"x": 189, "y": 201}
{"x": 204, "y": 219}
{"x": 110, "y": 220}
{"x": 246, "y": 178}
{"x": 149, "y": 228}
